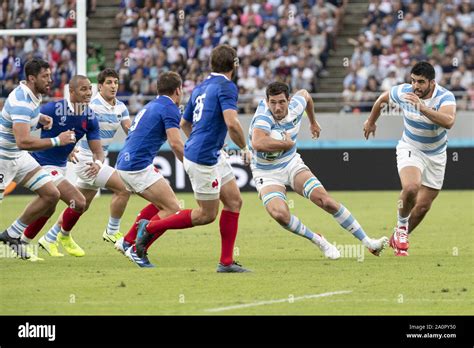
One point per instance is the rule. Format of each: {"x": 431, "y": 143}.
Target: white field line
{"x": 288, "y": 299}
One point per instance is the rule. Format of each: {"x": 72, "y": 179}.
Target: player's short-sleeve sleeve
{"x": 263, "y": 122}
{"x": 171, "y": 118}
{"x": 228, "y": 96}
{"x": 93, "y": 129}
{"x": 125, "y": 114}
{"x": 20, "y": 113}
{"x": 297, "y": 104}
{"x": 395, "y": 94}
{"x": 447, "y": 99}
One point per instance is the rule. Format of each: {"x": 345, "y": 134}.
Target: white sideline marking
{"x": 262, "y": 303}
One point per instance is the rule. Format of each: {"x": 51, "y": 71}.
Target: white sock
{"x": 113, "y": 226}
{"x": 402, "y": 221}
{"x": 16, "y": 229}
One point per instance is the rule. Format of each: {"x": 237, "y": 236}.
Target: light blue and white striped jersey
{"x": 263, "y": 119}
{"x": 21, "y": 106}
{"x": 110, "y": 117}
{"x": 419, "y": 130}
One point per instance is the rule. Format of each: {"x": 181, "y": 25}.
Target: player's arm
{"x": 26, "y": 141}
{"x": 369, "y": 124}
{"x": 98, "y": 156}
{"x": 126, "y": 125}
{"x": 443, "y": 117}
{"x": 314, "y": 126}
{"x": 186, "y": 126}
{"x": 95, "y": 145}
{"x": 263, "y": 142}
{"x": 236, "y": 133}
{"x": 176, "y": 142}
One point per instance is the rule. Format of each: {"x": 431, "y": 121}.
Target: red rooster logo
{"x": 215, "y": 183}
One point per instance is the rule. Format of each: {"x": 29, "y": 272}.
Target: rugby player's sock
{"x": 146, "y": 213}
{"x": 70, "y": 217}
{"x": 113, "y": 226}
{"x": 347, "y": 221}
{"x": 16, "y": 229}
{"x": 402, "y": 221}
{"x": 156, "y": 235}
{"x": 33, "y": 229}
{"x": 179, "y": 220}
{"x": 297, "y": 227}
{"x": 228, "y": 224}
{"x": 52, "y": 234}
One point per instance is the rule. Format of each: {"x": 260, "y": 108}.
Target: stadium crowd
{"x": 289, "y": 40}
{"x": 397, "y": 34}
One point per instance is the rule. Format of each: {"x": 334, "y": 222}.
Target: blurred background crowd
{"x": 281, "y": 40}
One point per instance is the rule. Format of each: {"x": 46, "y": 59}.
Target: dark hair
{"x": 106, "y": 73}
{"x": 34, "y": 66}
{"x": 223, "y": 59}
{"x": 168, "y": 82}
{"x": 276, "y": 88}
{"x": 424, "y": 69}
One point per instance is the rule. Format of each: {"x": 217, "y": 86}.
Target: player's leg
{"x": 206, "y": 184}
{"x": 29, "y": 174}
{"x": 76, "y": 203}
{"x": 431, "y": 183}
{"x": 426, "y": 196}
{"x": 150, "y": 185}
{"x": 274, "y": 201}
{"x": 308, "y": 186}
{"x": 118, "y": 204}
{"x": 229, "y": 224}
{"x": 410, "y": 165}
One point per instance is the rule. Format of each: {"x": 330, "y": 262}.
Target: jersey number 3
{"x": 197, "y": 114}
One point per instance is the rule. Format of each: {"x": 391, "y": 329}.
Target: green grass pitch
{"x": 289, "y": 273}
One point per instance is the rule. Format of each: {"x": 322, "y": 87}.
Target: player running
{"x": 156, "y": 123}
{"x": 210, "y": 112}
{"x": 18, "y": 119}
{"x": 272, "y": 175}
{"x": 428, "y": 111}
{"x": 67, "y": 114}
{"x": 111, "y": 114}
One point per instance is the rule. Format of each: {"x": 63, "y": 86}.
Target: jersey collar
{"x": 166, "y": 97}
{"x": 217, "y": 74}
{"x": 106, "y": 103}
{"x": 28, "y": 91}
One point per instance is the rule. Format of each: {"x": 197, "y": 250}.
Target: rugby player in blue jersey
{"x": 73, "y": 114}
{"x": 209, "y": 114}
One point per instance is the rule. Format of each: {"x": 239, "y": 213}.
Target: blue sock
{"x": 348, "y": 222}
{"x": 297, "y": 227}
{"x": 16, "y": 229}
{"x": 113, "y": 226}
{"x": 52, "y": 234}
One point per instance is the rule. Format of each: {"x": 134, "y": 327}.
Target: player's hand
{"x": 67, "y": 137}
{"x": 93, "y": 169}
{"x": 315, "y": 130}
{"x": 413, "y": 99}
{"x": 288, "y": 143}
{"x": 72, "y": 156}
{"x": 369, "y": 127}
{"x": 246, "y": 156}
{"x": 46, "y": 121}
